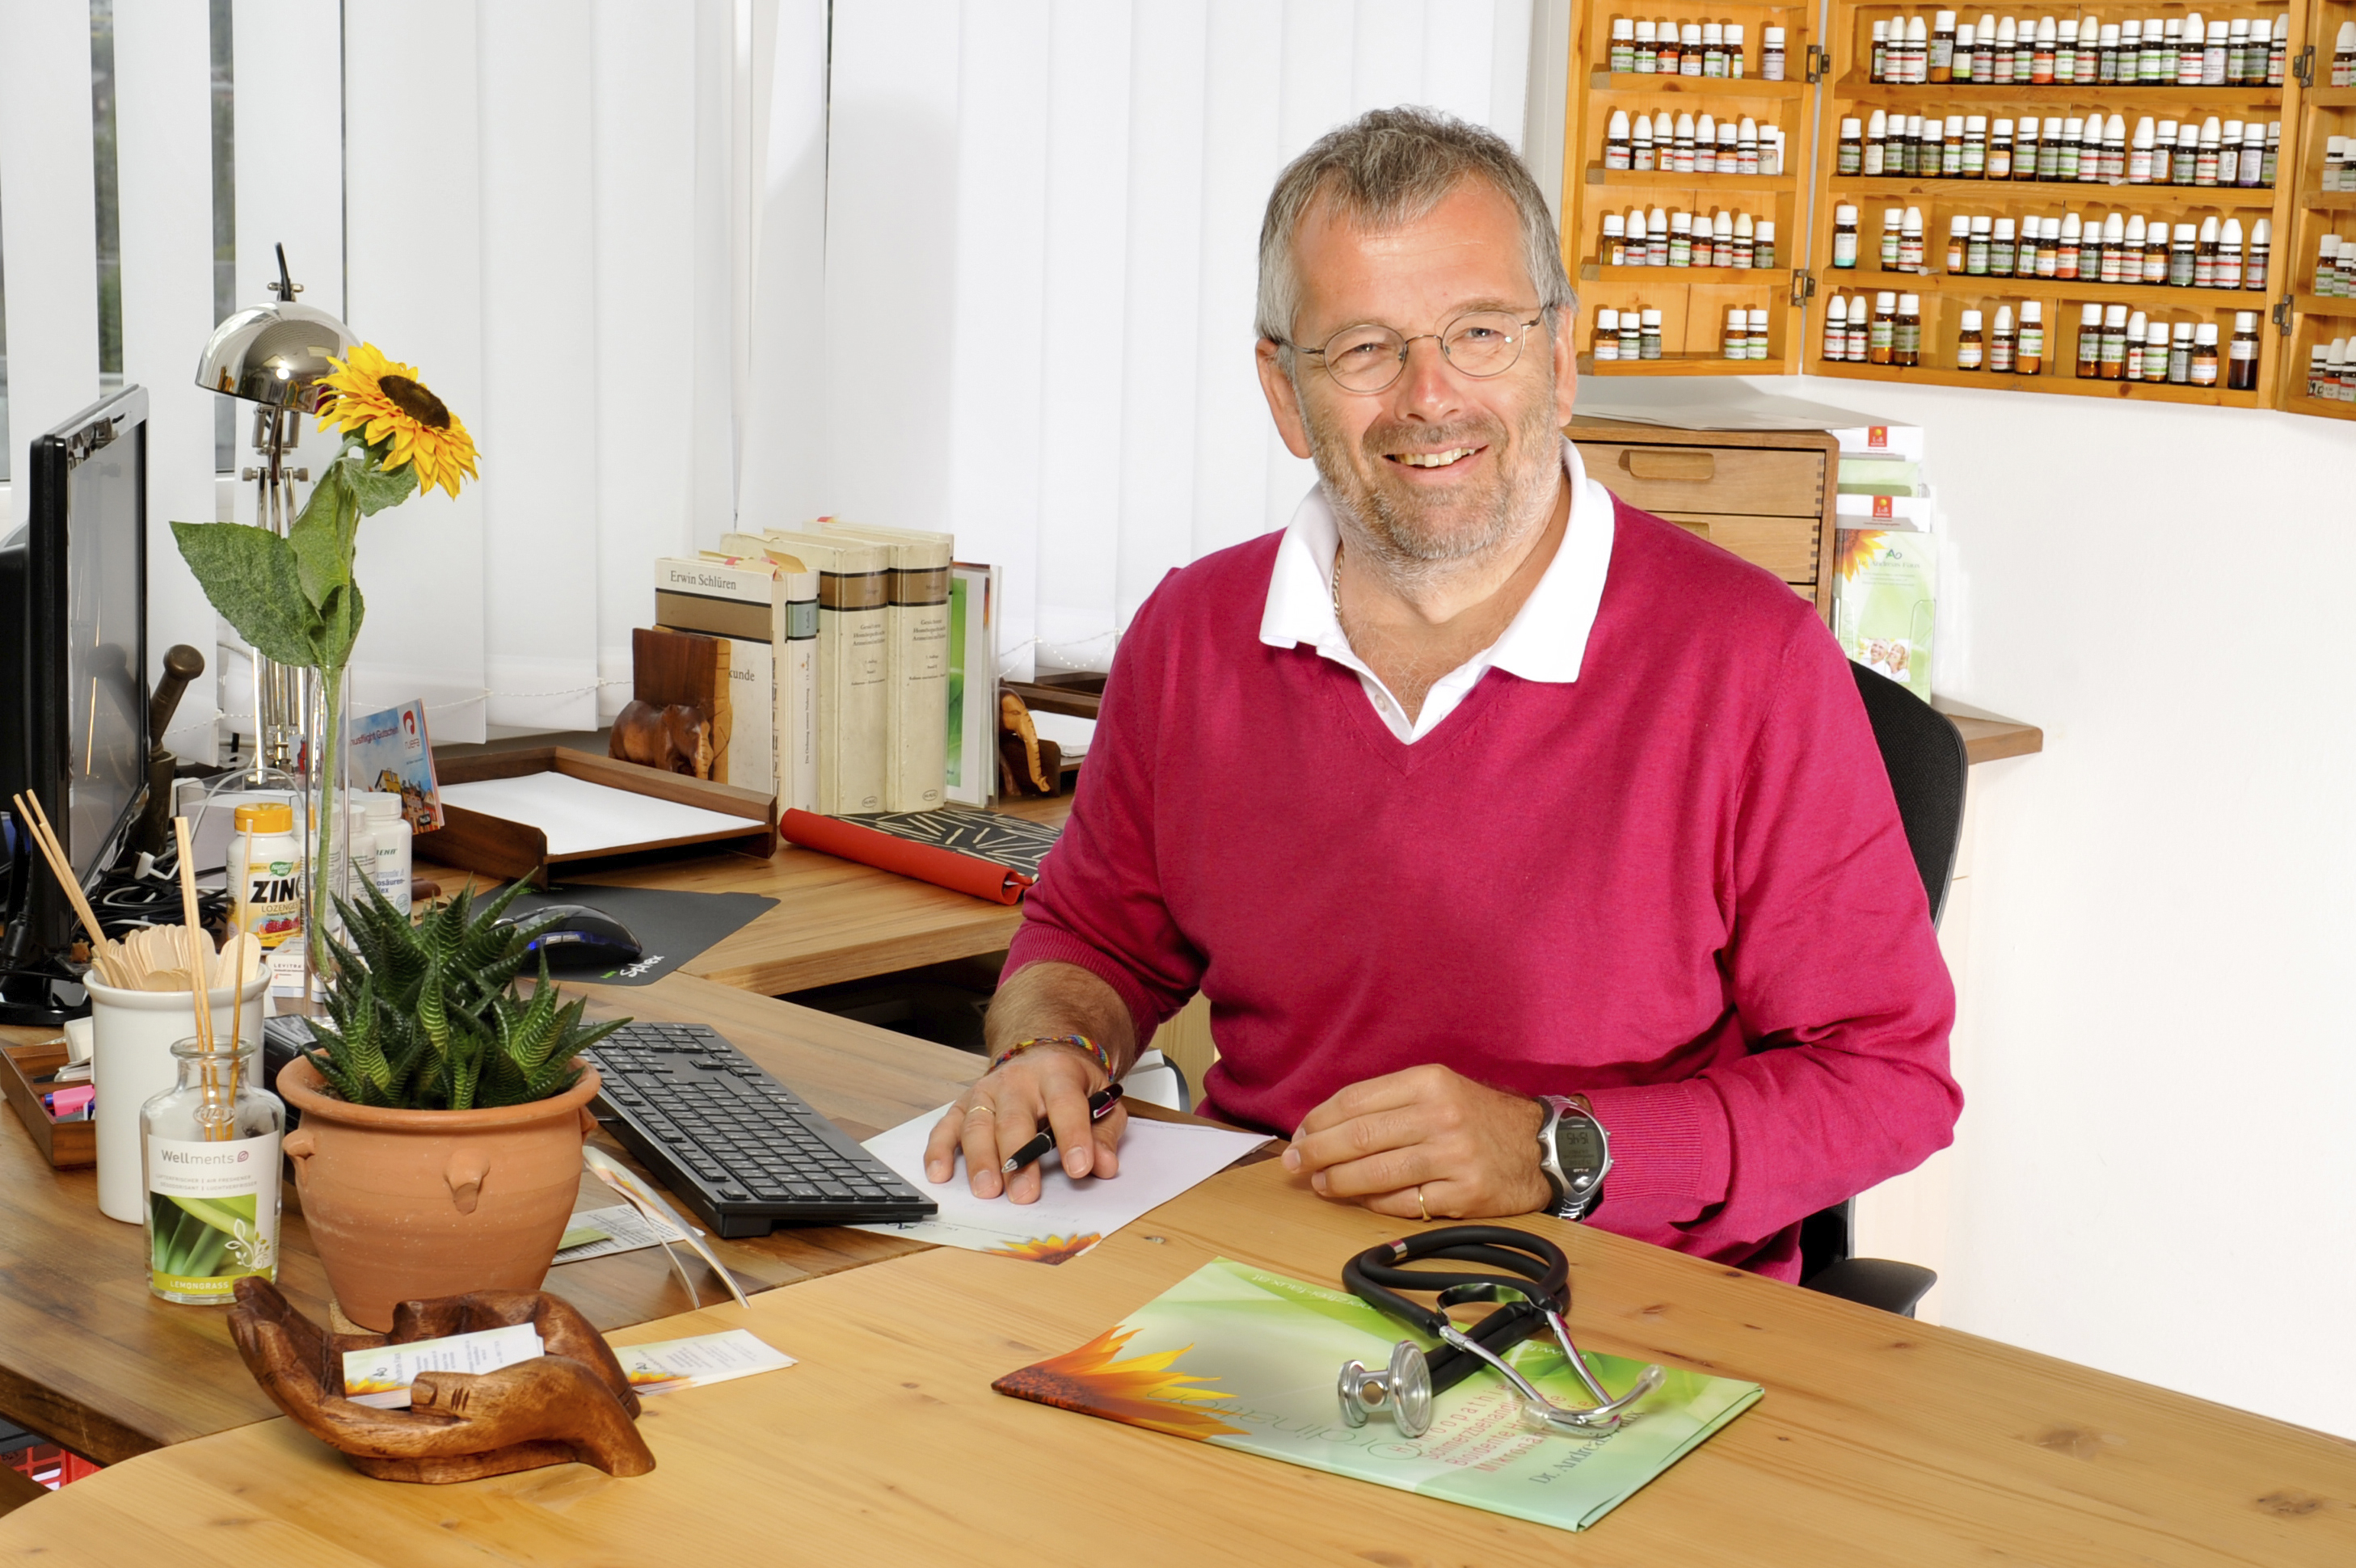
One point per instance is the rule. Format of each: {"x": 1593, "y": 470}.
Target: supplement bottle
{"x": 265, "y": 861}
{"x": 385, "y": 838}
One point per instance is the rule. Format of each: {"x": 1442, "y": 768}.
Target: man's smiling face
{"x": 1439, "y": 466}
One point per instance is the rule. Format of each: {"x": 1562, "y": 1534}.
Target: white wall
{"x": 2154, "y": 1174}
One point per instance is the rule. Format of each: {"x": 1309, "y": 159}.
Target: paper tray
{"x": 496, "y": 846}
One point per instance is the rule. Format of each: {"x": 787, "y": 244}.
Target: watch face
{"x": 1577, "y": 1145}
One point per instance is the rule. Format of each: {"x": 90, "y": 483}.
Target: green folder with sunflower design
{"x": 1238, "y": 1358}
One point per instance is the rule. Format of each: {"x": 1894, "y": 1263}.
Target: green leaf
{"x": 372, "y": 488}
{"x": 251, "y": 578}
{"x": 322, "y": 536}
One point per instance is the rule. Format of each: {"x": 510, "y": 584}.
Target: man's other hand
{"x": 1000, "y": 1113}
{"x": 1472, "y": 1149}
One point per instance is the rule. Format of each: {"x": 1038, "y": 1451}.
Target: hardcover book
{"x": 1239, "y": 1358}
{"x": 917, "y": 620}
{"x": 852, "y": 711}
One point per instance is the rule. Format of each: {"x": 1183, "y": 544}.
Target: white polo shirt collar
{"x": 1545, "y": 641}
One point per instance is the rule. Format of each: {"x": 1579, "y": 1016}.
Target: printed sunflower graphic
{"x": 1856, "y": 549}
{"x": 382, "y": 397}
{"x": 1045, "y": 1249}
{"x": 1142, "y": 1391}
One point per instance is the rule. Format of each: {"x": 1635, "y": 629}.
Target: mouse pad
{"x": 672, "y": 927}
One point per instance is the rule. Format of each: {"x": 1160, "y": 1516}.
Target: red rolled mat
{"x": 926, "y": 863}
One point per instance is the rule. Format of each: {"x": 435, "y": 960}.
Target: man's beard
{"x": 1417, "y": 533}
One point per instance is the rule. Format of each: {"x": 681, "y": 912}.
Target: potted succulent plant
{"x": 443, "y": 1113}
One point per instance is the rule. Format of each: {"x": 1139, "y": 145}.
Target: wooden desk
{"x": 1878, "y": 1440}
{"x": 90, "y": 1358}
{"x": 835, "y": 920}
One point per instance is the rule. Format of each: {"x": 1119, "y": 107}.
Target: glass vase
{"x": 327, "y": 800}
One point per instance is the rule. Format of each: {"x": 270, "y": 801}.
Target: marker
{"x": 1100, "y": 1103}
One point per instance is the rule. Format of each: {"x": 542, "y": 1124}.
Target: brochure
{"x": 1885, "y": 598}
{"x": 1239, "y": 1358}
{"x": 390, "y": 753}
{"x": 669, "y": 1365}
{"x": 382, "y": 1376}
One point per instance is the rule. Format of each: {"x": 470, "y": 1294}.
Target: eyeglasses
{"x": 1369, "y": 357}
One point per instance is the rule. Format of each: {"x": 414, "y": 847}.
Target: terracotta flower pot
{"x": 408, "y": 1205}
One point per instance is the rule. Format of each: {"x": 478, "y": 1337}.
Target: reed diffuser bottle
{"x": 210, "y": 1151}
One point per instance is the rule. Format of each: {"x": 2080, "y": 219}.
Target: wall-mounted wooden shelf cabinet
{"x": 1829, "y": 71}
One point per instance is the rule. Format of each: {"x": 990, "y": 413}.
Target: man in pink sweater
{"x": 1533, "y": 853}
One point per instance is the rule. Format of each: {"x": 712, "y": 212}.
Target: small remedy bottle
{"x": 1738, "y": 333}
{"x": 1891, "y": 220}
{"x": 2113, "y": 341}
{"x": 2205, "y": 355}
{"x": 1959, "y": 242}
{"x": 1836, "y": 329}
{"x": 1758, "y": 333}
{"x": 1762, "y": 244}
{"x": 1617, "y": 147}
{"x": 1734, "y": 50}
{"x": 1770, "y": 54}
{"x": 1906, "y": 332}
{"x": 1845, "y": 236}
{"x": 1607, "y": 336}
{"x": 2242, "y": 361}
{"x": 210, "y": 1147}
{"x": 2003, "y": 343}
{"x": 2179, "y": 354}
{"x": 1632, "y": 336}
{"x": 1882, "y": 331}
{"x": 2155, "y": 352}
{"x": 1971, "y": 343}
{"x": 2028, "y": 359}
{"x": 1614, "y": 244}
{"x": 1652, "y": 339}
{"x": 1850, "y": 157}
{"x": 2089, "y": 342}
{"x": 1647, "y": 50}
{"x": 1624, "y": 45}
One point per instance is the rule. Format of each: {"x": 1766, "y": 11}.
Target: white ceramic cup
{"x": 132, "y": 1033}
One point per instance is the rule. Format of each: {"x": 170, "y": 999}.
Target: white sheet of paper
{"x": 667, "y": 1365}
{"x": 1072, "y": 735}
{"x": 581, "y": 818}
{"x": 1159, "y": 1160}
{"x": 626, "y": 1230}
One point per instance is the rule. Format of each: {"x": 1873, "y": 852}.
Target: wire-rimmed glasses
{"x": 1368, "y": 356}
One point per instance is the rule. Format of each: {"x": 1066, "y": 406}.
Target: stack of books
{"x": 861, "y": 649}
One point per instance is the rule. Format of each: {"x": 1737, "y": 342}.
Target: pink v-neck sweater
{"x": 1677, "y": 886}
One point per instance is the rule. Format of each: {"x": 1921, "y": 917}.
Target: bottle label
{"x": 212, "y": 1214}
{"x": 269, "y": 903}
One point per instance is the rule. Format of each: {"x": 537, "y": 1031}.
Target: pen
{"x": 1101, "y": 1101}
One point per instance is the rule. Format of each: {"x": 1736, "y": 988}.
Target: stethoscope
{"x": 1533, "y": 1295}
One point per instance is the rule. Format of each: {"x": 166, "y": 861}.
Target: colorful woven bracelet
{"x": 1079, "y": 1042}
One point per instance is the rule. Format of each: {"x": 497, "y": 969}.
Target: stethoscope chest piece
{"x": 1404, "y": 1388}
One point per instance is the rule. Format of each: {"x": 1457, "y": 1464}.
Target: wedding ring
{"x": 1419, "y": 1205}
{"x": 985, "y": 1110}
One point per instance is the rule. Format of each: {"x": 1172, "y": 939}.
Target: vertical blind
{"x": 985, "y": 267}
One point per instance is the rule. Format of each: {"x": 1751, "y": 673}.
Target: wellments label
{"x": 212, "y": 1213}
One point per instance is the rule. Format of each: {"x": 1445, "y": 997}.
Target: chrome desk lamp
{"x": 273, "y": 355}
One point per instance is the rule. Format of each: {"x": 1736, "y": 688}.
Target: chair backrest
{"x": 1924, "y": 753}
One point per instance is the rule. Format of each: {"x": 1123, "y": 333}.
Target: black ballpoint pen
{"x": 1099, "y": 1103}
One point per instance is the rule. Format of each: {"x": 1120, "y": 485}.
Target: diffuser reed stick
{"x": 102, "y": 954}
{"x": 201, "y": 969}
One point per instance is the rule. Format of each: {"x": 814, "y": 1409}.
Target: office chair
{"x": 1925, "y": 756}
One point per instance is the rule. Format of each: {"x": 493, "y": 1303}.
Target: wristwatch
{"x": 1575, "y": 1154}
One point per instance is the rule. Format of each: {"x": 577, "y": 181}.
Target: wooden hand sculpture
{"x": 572, "y": 1404}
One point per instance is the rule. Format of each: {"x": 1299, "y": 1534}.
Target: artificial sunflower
{"x": 382, "y": 397}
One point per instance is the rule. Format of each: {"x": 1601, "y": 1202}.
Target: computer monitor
{"x": 73, "y": 667}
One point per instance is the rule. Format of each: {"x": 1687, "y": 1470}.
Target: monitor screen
{"x": 106, "y": 694}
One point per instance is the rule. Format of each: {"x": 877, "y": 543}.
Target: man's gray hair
{"x": 1383, "y": 170}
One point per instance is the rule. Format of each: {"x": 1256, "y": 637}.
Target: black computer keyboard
{"x": 733, "y": 1143}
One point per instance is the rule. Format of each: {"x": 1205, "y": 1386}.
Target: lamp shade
{"x": 273, "y": 354}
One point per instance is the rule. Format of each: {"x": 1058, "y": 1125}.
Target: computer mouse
{"x": 582, "y": 938}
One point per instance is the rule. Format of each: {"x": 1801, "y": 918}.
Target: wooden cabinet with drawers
{"x": 1767, "y": 496}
